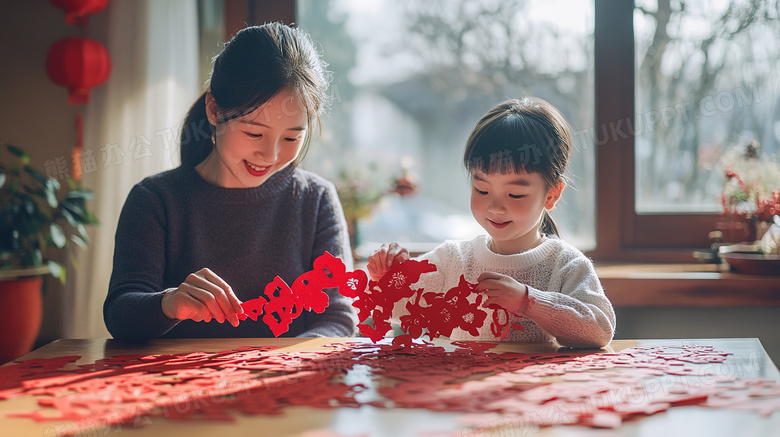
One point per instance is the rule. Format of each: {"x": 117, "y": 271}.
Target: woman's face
{"x": 252, "y": 148}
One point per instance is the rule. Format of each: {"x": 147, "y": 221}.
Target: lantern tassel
{"x": 77, "y": 170}
{"x": 78, "y": 96}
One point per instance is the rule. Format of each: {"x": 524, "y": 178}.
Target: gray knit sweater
{"x": 175, "y": 223}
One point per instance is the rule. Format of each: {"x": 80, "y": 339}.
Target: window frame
{"x": 621, "y": 233}
{"x": 242, "y": 13}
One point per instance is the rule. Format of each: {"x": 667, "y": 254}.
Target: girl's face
{"x": 510, "y": 206}
{"x": 251, "y": 148}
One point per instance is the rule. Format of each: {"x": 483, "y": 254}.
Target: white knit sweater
{"x": 566, "y": 301}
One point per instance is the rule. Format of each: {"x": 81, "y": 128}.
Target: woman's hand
{"x": 380, "y": 260}
{"x": 504, "y": 291}
{"x": 202, "y": 296}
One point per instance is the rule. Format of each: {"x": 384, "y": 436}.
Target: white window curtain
{"x": 131, "y": 128}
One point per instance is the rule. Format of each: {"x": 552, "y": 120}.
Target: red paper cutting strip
{"x": 253, "y": 309}
{"x": 429, "y": 313}
{"x": 281, "y": 307}
{"x": 282, "y": 303}
{"x": 380, "y": 328}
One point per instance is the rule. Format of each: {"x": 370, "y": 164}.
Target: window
{"x": 412, "y": 78}
{"x": 651, "y": 188}
{"x": 211, "y": 22}
{"x": 705, "y": 83}
{"x": 642, "y": 208}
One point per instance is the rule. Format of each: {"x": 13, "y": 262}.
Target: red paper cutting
{"x": 280, "y": 303}
{"x": 381, "y": 326}
{"x": 415, "y": 322}
{"x": 333, "y": 274}
{"x": 502, "y": 329}
{"x": 282, "y": 306}
{"x": 396, "y": 283}
{"x": 378, "y": 300}
{"x": 572, "y": 388}
{"x": 307, "y": 289}
{"x": 431, "y": 314}
{"x": 453, "y": 310}
{"x": 253, "y": 309}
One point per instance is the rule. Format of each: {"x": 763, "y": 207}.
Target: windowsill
{"x": 692, "y": 285}
{"x": 678, "y": 284}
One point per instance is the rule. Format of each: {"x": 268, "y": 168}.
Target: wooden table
{"x": 748, "y": 358}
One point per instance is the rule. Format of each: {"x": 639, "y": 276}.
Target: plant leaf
{"x": 57, "y": 235}
{"x": 38, "y": 176}
{"x": 36, "y": 258}
{"x": 69, "y": 217}
{"x": 83, "y": 232}
{"x": 80, "y": 194}
{"x": 79, "y": 212}
{"x": 29, "y": 206}
{"x": 15, "y": 240}
{"x": 91, "y": 219}
{"x": 72, "y": 258}
{"x": 23, "y": 156}
{"x": 52, "y": 184}
{"x": 79, "y": 240}
{"x": 2, "y": 179}
{"x": 57, "y": 271}
{"x": 76, "y": 211}
{"x": 51, "y": 198}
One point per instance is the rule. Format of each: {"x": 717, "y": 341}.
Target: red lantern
{"x": 76, "y": 11}
{"x": 79, "y": 64}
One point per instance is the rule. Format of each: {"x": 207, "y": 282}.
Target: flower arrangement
{"x": 362, "y": 187}
{"x": 359, "y": 192}
{"x": 752, "y": 187}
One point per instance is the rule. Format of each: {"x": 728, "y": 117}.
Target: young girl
{"x": 192, "y": 243}
{"x": 516, "y": 157}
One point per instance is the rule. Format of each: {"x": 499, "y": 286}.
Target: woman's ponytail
{"x": 196, "y": 134}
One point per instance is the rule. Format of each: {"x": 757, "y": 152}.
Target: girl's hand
{"x": 202, "y": 296}
{"x": 380, "y": 260}
{"x": 504, "y": 291}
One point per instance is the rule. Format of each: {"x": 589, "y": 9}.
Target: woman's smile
{"x": 255, "y": 170}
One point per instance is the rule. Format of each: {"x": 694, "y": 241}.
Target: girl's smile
{"x": 498, "y": 225}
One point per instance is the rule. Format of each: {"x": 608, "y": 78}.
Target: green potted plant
{"x": 35, "y": 216}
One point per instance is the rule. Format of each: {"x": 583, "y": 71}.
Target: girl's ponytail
{"x": 526, "y": 134}
{"x": 549, "y": 227}
{"x": 196, "y": 133}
